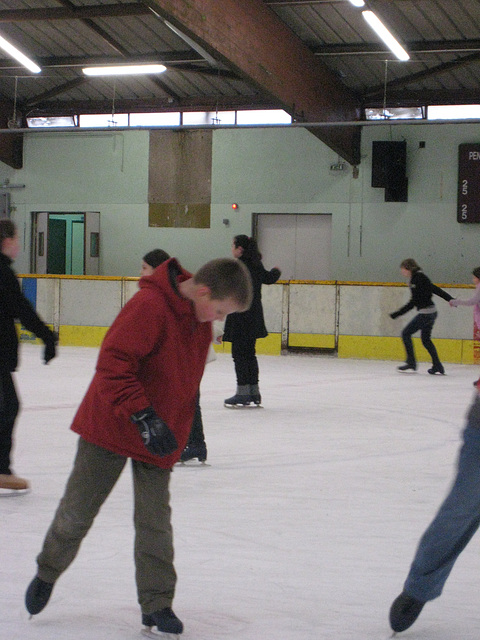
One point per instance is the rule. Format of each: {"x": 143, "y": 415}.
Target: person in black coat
{"x": 243, "y": 329}
{"x": 422, "y": 290}
{"x": 196, "y": 446}
{"x": 13, "y": 306}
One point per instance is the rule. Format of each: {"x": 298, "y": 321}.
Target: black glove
{"x": 156, "y": 436}
{"x": 50, "y": 347}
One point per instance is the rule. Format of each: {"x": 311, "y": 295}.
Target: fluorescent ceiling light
{"x": 382, "y": 31}
{"x": 19, "y": 56}
{"x": 358, "y": 3}
{"x": 125, "y": 70}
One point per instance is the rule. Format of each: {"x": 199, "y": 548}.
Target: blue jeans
{"x": 455, "y": 523}
{"x": 422, "y": 322}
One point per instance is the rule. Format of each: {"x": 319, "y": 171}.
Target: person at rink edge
{"x": 421, "y": 289}
{"x": 474, "y": 302}
{"x": 14, "y": 306}
{"x": 196, "y": 445}
{"x": 449, "y": 533}
{"x": 243, "y": 329}
{"x": 140, "y": 405}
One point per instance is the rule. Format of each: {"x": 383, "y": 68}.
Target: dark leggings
{"x": 9, "y": 407}
{"x": 245, "y": 360}
{"x": 422, "y": 322}
{"x": 197, "y": 435}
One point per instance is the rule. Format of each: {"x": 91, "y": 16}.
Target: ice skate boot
{"x": 166, "y": 622}
{"x": 255, "y": 394}
{"x": 407, "y": 367}
{"x": 404, "y": 611}
{"x": 37, "y": 595}
{"x": 437, "y": 368}
{"x": 192, "y": 451}
{"x": 241, "y": 399}
{"x": 13, "y": 482}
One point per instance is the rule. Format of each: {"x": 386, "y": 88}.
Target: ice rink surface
{"x": 302, "y": 527}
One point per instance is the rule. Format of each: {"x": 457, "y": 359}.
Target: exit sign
{"x": 468, "y": 200}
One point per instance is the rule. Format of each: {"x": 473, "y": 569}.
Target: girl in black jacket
{"x": 422, "y": 290}
{"x": 13, "y": 306}
{"x": 243, "y": 329}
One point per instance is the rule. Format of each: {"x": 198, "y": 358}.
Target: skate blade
{"x": 243, "y": 406}
{"x": 192, "y": 463}
{"x": 14, "y": 493}
{"x": 151, "y": 632}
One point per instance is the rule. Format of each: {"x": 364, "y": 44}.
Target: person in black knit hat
{"x": 196, "y": 445}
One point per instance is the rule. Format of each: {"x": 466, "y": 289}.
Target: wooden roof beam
{"x": 249, "y": 38}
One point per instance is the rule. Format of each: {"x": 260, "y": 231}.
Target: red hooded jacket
{"x": 154, "y": 355}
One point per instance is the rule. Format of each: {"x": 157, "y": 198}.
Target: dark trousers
{"x": 9, "y": 407}
{"x": 197, "y": 435}
{"x": 245, "y": 360}
{"x": 422, "y": 322}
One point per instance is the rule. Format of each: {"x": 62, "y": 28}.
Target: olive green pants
{"x": 94, "y": 474}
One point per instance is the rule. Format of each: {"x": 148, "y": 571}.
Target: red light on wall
{"x": 234, "y": 205}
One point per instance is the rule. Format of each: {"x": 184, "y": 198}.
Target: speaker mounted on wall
{"x": 389, "y": 163}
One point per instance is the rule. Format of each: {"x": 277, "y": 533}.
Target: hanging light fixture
{"x": 382, "y": 31}
{"x": 18, "y": 55}
{"x": 124, "y": 70}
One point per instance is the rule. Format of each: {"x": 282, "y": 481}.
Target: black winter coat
{"x": 251, "y": 322}
{"x": 15, "y": 306}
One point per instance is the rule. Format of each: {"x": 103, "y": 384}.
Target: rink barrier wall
{"x": 348, "y": 318}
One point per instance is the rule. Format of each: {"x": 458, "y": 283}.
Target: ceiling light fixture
{"x": 19, "y": 56}
{"x": 124, "y": 70}
{"x": 357, "y": 3}
{"x": 382, "y": 31}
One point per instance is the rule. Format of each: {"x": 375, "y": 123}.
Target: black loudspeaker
{"x": 389, "y": 162}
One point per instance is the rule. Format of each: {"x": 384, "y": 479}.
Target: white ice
{"x": 302, "y": 527}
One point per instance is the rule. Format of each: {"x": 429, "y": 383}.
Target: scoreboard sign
{"x": 468, "y": 200}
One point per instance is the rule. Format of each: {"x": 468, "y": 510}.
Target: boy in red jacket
{"x": 140, "y": 405}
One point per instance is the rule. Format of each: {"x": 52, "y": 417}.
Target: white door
{"x": 300, "y": 245}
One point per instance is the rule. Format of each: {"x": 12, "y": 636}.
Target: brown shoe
{"x": 13, "y": 482}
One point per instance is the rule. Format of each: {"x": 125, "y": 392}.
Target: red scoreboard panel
{"x": 468, "y": 200}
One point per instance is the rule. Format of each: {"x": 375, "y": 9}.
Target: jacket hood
{"x": 167, "y": 277}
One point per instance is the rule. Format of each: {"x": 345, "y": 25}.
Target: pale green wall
{"x": 264, "y": 170}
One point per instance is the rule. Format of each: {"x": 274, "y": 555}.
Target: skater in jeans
{"x": 474, "y": 302}
{"x": 196, "y": 445}
{"x": 243, "y": 329}
{"x": 140, "y": 405}
{"x": 422, "y": 290}
{"x": 13, "y": 306}
{"x": 447, "y": 536}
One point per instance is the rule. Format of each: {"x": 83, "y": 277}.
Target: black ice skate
{"x": 166, "y": 622}
{"x": 407, "y": 367}
{"x": 193, "y": 451}
{"x": 243, "y": 398}
{"x": 37, "y": 595}
{"x": 255, "y": 394}
{"x": 404, "y": 611}
{"x": 437, "y": 368}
